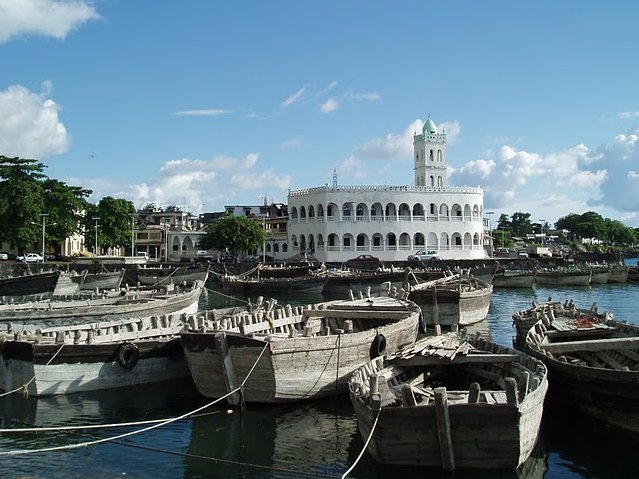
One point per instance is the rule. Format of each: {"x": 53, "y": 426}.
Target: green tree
{"x": 21, "y": 200}
{"x": 233, "y": 233}
{"x": 521, "y": 224}
{"x": 504, "y": 222}
{"x": 113, "y": 223}
{"x": 66, "y": 206}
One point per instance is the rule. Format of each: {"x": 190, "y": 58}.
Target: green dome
{"x": 429, "y": 127}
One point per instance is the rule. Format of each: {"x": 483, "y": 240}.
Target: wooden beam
{"x": 592, "y": 345}
{"x": 444, "y": 431}
{"x": 373, "y": 314}
{"x": 221, "y": 345}
{"x": 486, "y": 358}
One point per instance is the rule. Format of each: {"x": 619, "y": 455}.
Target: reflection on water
{"x": 316, "y": 439}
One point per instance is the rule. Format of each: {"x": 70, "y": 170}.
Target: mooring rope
{"x": 22, "y": 452}
{"x": 24, "y": 387}
{"x": 227, "y": 296}
{"x": 368, "y": 439}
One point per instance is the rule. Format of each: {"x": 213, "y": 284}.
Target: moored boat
{"x": 452, "y": 301}
{"x": 294, "y": 353}
{"x": 514, "y": 278}
{"x": 177, "y": 275}
{"x": 93, "y": 356}
{"x": 618, "y": 273}
{"x": 29, "y": 284}
{"x": 563, "y": 277}
{"x": 593, "y": 366}
{"x": 450, "y": 402}
{"x": 599, "y": 273}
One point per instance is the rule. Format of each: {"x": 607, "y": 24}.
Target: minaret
{"x": 431, "y": 168}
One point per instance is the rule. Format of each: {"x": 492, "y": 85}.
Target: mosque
{"x": 337, "y": 223}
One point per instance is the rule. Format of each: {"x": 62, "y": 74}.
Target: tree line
{"x": 29, "y": 198}
{"x": 586, "y": 225}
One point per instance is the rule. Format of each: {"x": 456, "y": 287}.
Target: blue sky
{"x": 204, "y": 103}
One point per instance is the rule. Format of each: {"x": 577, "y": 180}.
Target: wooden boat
{"x": 271, "y": 285}
{"x": 125, "y": 304}
{"x": 338, "y": 284}
{"x": 593, "y": 366}
{"x": 93, "y": 356}
{"x": 618, "y": 273}
{"x": 102, "y": 281}
{"x": 177, "y": 275}
{"x": 524, "y": 320}
{"x": 450, "y": 402}
{"x": 514, "y": 278}
{"x": 599, "y": 273}
{"x": 452, "y": 301}
{"x": 298, "y": 352}
{"x": 483, "y": 272}
{"x": 563, "y": 277}
{"x": 29, "y": 284}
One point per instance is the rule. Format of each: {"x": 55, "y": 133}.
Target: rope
{"x": 90, "y": 426}
{"x": 23, "y": 388}
{"x": 370, "y": 436}
{"x": 227, "y": 296}
{"x": 21, "y": 452}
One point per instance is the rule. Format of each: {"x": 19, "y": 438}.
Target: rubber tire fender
{"x": 378, "y": 346}
{"x": 128, "y": 355}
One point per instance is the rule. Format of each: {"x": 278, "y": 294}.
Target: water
{"x": 313, "y": 439}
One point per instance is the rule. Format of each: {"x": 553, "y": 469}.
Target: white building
{"x": 337, "y": 223}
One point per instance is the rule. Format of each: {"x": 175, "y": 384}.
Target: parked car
{"x": 364, "y": 258}
{"x": 257, "y": 258}
{"x": 226, "y": 258}
{"x": 31, "y": 258}
{"x": 4, "y": 256}
{"x": 424, "y": 255}
{"x": 522, "y": 254}
{"x": 203, "y": 254}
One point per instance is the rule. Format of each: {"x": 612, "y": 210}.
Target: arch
{"x": 439, "y": 155}
{"x": 333, "y": 240}
{"x": 432, "y": 209}
{"x": 391, "y": 211}
{"x": 432, "y": 241}
{"x": 320, "y": 211}
{"x": 332, "y": 212}
{"x": 440, "y": 182}
{"x": 311, "y": 212}
{"x": 347, "y": 211}
{"x": 456, "y": 240}
{"x": 404, "y": 240}
{"x": 467, "y": 211}
{"x": 276, "y": 248}
{"x": 391, "y": 241}
{"x": 432, "y": 181}
{"x": 476, "y": 239}
{"x": 294, "y": 240}
{"x": 456, "y": 211}
{"x": 320, "y": 240}
{"x": 443, "y": 209}
{"x": 378, "y": 241}
{"x": 468, "y": 240}
{"x": 285, "y": 247}
{"x": 377, "y": 211}
{"x": 444, "y": 240}
{"x": 302, "y": 212}
{"x": 418, "y": 210}
{"x": 348, "y": 242}
{"x": 404, "y": 211}
{"x": 362, "y": 242}
{"x": 476, "y": 212}
{"x": 430, "y": 155}
{"x": 311, "y": 243}
{"x": 294, "y": 212}
{"x": 419, "y": 241}
{"x": 268, "y": 247}
{"x": 361, "y": 211}
{"x": 302, "y": 243}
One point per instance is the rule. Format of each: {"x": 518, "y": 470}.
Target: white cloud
{"x": 294, "y": 98}
{"x": 291, "y": 144}
{"x": 52, "y": 18}
{"x": 209, "y": 112}
{"x": 625, "y": 115}
{"x": 29, "y": 124}
{"x": 329, "y": 105}
{"x": 371, "y": 96}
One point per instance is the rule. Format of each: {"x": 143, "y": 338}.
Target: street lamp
{"x": 44, "y": 225}
{"x": 96, "y": 218}
{"x": 541, "y": 221}
{"x": 166, "y": 238}
{"x": 490, "y": 230}
{"x": 133, "y": 216}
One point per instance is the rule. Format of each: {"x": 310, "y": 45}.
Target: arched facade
{"x": 392, "y": 222}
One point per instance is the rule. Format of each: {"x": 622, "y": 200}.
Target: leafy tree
{"x": 114, "y": 222}
{"x": 502, "y": 239}
{"x": 521, "y": 224}
{"x": 504, "y": 222}
{"x": 233, "y": 233}
{"x": 149, "y": 208}
{"x": 172, "y": 209}
{"x": 66, "y": 206}
{"x": 21, "y": 200}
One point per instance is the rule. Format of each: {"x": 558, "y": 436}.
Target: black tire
{"x": 128, "y": 355}
{"x": 378, "y": 346}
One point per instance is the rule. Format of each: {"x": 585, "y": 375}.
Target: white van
{"x": 424, "y": 255}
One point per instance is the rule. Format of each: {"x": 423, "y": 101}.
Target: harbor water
{"x": 310, "y": 439}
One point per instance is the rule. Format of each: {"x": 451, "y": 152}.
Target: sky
{"x": 202, "y": 104}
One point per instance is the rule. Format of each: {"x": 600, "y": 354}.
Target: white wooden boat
{"x": 101, "y": 281}
{"x": 599, "y": 273}
{"x": 593, "y": 365}
{"x": 304, "y": 352}
{"x": 93, "y": 356}
{"x": 451, "y": 301}
{"x": 124, "y": 304}
{"x": 450, "y": 402}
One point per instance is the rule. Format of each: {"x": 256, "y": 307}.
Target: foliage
{"x": 234, "y": 234}
{"x": 66, "y": 207}
{"x": 502, "y": 239}
{"x": 113, "y": 222}
{"x": 521, "y": 224}
{"x": 149, "y": 208}
{"x": 504, "y": 223}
